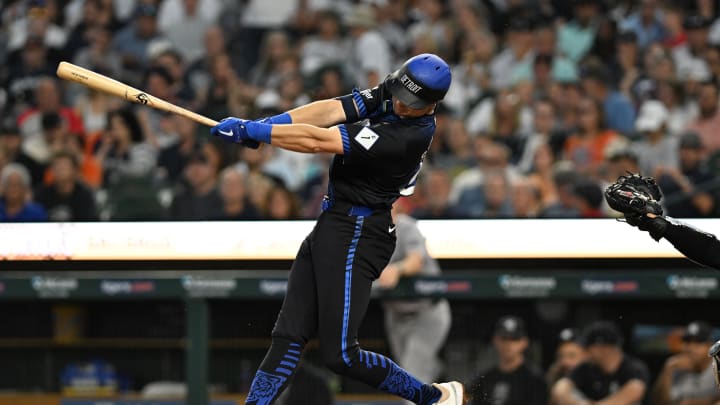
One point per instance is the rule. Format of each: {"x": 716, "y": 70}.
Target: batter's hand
{"x": 389, "y": 277}
{"x": 234, "y": 130}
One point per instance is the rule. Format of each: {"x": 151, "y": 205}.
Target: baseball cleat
{"x": 456, "y": 393}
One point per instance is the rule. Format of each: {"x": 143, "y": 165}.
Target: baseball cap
{"x": 690, "y": 140}
{"x": 422, "y": 80}
{"x": 697, "y": 331}
{"x": 601, "y": 333}
{"x": 510, "y": 327}
{"x": 652, "y": 116}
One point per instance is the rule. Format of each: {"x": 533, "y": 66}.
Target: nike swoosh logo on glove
{"x": 226, "y": 133}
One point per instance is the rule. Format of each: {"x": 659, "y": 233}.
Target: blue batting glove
{"x": 230, "y": 129}
{"x": 234, "y": 130}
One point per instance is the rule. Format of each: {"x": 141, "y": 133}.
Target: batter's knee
{"x": 338, "y": 360}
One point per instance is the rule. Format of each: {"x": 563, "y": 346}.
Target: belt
{"x": 333, "y": 205}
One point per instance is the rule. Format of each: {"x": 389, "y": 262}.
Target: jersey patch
{"x": 367, "y": 138}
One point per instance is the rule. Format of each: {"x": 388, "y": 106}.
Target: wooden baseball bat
{"x": 96, "y": 81}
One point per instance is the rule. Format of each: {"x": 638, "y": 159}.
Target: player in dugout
{"x": 379, "y": 137}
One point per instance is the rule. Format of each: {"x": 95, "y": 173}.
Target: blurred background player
{"x": 513, "y": 381}
{"x": 609, "y": 375}
{"x": 416, "y": 329}
{"x": 688, "y": 377}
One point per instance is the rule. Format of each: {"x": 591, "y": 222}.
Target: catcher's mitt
{"x": 634, "y": 195}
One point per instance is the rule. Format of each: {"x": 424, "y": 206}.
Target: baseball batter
{"x": 379, "y": 137}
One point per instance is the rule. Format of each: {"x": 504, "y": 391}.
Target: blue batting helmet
{"x": 421, "y": 80}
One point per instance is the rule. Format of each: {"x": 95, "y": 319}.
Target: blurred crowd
{"x": 551, "y": 100}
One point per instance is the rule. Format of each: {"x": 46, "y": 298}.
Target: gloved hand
{"x": 245, "y": 132}
{"x": 636, "y": 196}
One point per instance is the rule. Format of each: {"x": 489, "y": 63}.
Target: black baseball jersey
{"x": 381, "y": 159}
{"x": 596, "y": 385}
{"x": 523, "y": 386}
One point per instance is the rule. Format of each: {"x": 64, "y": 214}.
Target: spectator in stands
{"x": 525, "y": 198}
{"x": 327, "y": 47}
{"x": 681, "y": 111}
{"x": 184, "y": 23}
{"x": 542, "y": 175}
{"x": 512, "y": 381}
{"x": 173, "y": 158}
{"x": 588, "y": 198}
{"x": 59, "y": 140}
{"x": 690, "y": 191}
{"x": 569, "y": 353}
{"x": 15, "y": 192}
{"x": 471, "y": 75}
{"x": 608, "y": 374}
{"x": 370, "y": 59}
{"x": 199, "y": 72}
{"x": 200, "y": 199}
{"x": 48, "y": 99}
{"x": 620, "y": 161}
{"x": 542, "y": 133}
{"x": 646, "y": 23}
{"x": 618, "y": 112}
{"x": 689, "y": 56}
{"x": 466, "y": 192}
{"x": 67, "y": 198}
{"x": 576, "y": 37}
{"x": 25, "y": 70}
{"x": 504, "y": 119}
{"x": 133, "y": 41}
{"x": 586, "y": 148}
{"x": 518, "y": 51}
{"x": 98, "y": 55}
{"x": 236, "y": 205}
{"x": 688, "y": 377}
{"x": 436, "y": 186}
{"x": 174, "y": 63}
{"x": 123, "y": 151}
{"x": 11, "y": 145}
{"x": 281, "y": 203}
{"x": 707, "y": 125}
{"x": 656, "y": 148}
{"x": 565, "y": 204}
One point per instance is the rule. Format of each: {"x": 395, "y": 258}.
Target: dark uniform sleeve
{"x": 696, "y": 245}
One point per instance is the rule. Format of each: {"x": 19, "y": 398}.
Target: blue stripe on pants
{"x": 348, "y": 286}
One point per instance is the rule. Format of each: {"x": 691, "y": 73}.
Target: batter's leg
{"x": 295, "y": 325}
{"x": 344, "y": 276}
